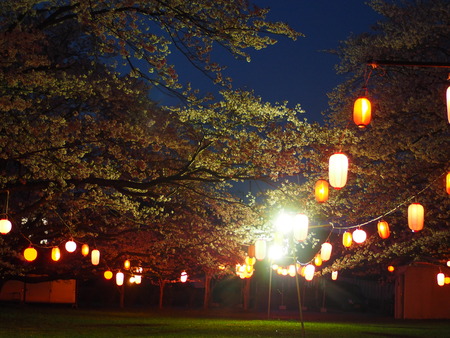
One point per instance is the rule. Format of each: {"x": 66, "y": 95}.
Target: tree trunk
{"x": 162, "y": 284}
{"x": 122, "y": 296}
{"x": 207, "y": 297}
{"x": 246, "y": 293}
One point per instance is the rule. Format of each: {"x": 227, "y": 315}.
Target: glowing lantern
{"x": 383, "y": 229}
{"x": 300, "y": 227}
{"x": 95, "y": 257}
{"x": 108, "y": 274}
{"x": 5, "y": 226}
{"x": 292, "y": 270}
{"x": 132, "y": 279}
{"x": 260, "y": 249}
{"x": 85, "y": 250}
{"x": 318, "y": 260}
{"x": 447, "y": 280}
{"x": 309, "y": 272}
{"x": 250, "y": 260}
{"x": 347, "y": 239}
{"x": 325, "y": 252}
{"x": 321, "y": 191}
{"x": 448, "y": 263}
{"x": 30, "y": 254}
{"x": 126, "y": 264}
{"x": 56, "y": 254}
{"x": 447, "y": 183}
{"x": 334, "y": 275}
{"x": 71, "y": 246}
{"x": 183, "y": 277}
{"x": 362, "y": 112}
{"x": 138, "y": 279}
{"x": 415, "y": 217}
{"x": 448, "y": 104}
{"x": 359, "y": 236}
{"x": 440, "y": 279}
{"x": 119, "y": 278}
{"x": 391, "y": 268}
{"x": 251, "y": 250}
{"x": 338, "y": 167}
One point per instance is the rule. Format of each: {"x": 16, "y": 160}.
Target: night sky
{"x": 297, "y": 71}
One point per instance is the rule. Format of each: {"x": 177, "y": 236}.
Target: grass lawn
{"x": 41, "y": 321}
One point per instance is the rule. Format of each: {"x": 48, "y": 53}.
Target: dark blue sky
{"x": 297, "y": 71}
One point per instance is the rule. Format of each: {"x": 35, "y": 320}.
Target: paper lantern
{"x": 448, "y": 264}
{"x": 334, "y": 275}
{"x": 317, "y": 260}
{"x": 347, "y": 239}
{"x": 5, "y": 226}
{"x": 321, "y": 191}
{"x": 338, "y": 167}
{"x": 251, "y": 250}
{"x": 415, "y": 217}
{"x": 138, "y": 279}
{"x": 300, "y": 227}
{"x": 119, "y": 278}
{"x": 126, "y": 264}
{"x": 362, "y": 112}
{"x": 391, "y": 268}
{"x": 292, "y": 270}
{"x": 309, "y": 272}
{"x": 260, "y": 249}
{"x": 440, "y": 279}
{"x": 447, "y": 182}
{"x": 108, "y": 274}
{"x": 250, "y": 260}
{"x": 325, "y": 251}
{"x": 359, "y": 236}
{"x": 85, "y": 250}
{"x": 383, "y": 229}
{"x": 56, "y": 254}
{"x": 71, "y": 246}
{"x": 30, "y": 254}
{"x": 95, "y": 257}
{"x": 447, "y": 280}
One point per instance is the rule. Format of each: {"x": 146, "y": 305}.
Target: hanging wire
{"x": 390, "y": 211}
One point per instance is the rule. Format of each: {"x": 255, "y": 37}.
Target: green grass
{"x": 34, "y": 321}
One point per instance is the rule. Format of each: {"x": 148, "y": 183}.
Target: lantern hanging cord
{"x": 388, "y": 212}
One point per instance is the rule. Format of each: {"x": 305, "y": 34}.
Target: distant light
{"x": 71, "y": 246}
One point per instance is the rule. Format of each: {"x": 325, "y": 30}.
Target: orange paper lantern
{"x": 338, "y": 167}
{"x": 85, "y": 250}
{"x": 126, "y": 264}
{"x": 56, "y": 254}
{"x": 383, "y": 229}
{"x": 318, "y": 260}
{"x": 251, "y": 251}
{"x": 391, "y": 268}
{"x": 30, "y": 254}
{"x": 108, "y": 274}
{"x": 347, "y": 239}
{"x": 362, "y": 112}
{"x": 415, "y": 217}
{"x": 321, "y": 191}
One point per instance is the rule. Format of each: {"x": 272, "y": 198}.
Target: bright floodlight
{"x": 284, "y": 222}
{"x": 276, "y": 251}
